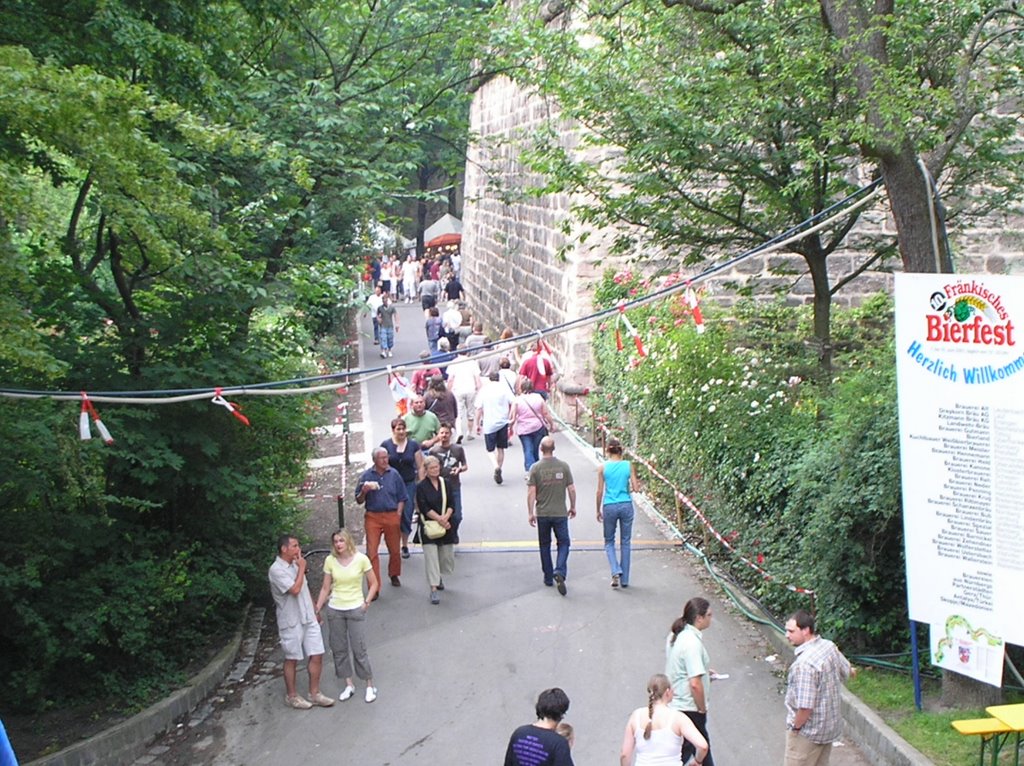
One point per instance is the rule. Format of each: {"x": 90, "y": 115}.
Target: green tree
{"x": 183, "y": 187}
{"x": 742, "y": 121}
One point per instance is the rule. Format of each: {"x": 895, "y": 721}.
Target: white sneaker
{"x": 347, "y": 693}
{"x": 371, "y": 693}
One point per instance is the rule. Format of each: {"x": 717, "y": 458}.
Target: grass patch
{"x": 891, "y": 695}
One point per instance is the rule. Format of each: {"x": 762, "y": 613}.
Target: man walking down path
{"x": 464, "y": 383}
{"x": 539, "y": 743}
{"x": 373, "y": 302}
{"x": 453, "y": 465}
{"x": 382, "y": 490}
{"x": 494, "y": 405}
{"x": 421, "y": 425}
{"x": 550, "y": 480}
{"x": 387, "y": 318}
{"x": 813, "y": 716}
{"x": 297, "y": 623}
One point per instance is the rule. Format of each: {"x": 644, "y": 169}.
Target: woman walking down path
{"x": 616, "y": 478}
{"x": 654, "y": 734}
{"x": 434, "y": 502}
{"x": 405, "y": 456}
{"x": 344, "y": 572}
{"x": 531, "y": 422}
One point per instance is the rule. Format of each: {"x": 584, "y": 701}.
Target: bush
{"x": 801, "y": 477}
{"x": 123, "y": 562}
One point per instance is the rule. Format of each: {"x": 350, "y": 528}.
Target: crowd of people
{"x": 412, "y": 493}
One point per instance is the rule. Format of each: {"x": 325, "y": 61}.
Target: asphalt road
{"x": 455, "y": 679}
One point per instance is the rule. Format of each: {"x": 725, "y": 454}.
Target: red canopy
{"x": 445, "y": 239}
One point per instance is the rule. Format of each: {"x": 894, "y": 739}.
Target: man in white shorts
{"x": 297, "y": 623}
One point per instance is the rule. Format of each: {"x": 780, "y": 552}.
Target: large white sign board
{"x": 960, "y": 373}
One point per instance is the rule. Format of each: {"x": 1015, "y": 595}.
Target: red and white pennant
{"x": 89, "y": 411}
{"x": 624, "y": 320}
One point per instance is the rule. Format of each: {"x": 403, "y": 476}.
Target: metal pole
{"x": 915, "y": 658}
{"x": 345, "y": 432}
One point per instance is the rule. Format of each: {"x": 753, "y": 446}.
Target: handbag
{"x": 432, "y": 528}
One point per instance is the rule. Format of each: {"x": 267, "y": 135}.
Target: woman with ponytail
{"x": 689, "y": 669}
{"x": 654, "y": 734}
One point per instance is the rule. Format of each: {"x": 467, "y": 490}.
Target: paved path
{"x": 455, "y": 679}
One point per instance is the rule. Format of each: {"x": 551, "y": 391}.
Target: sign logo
{"x": 968, "y": 312}
{"x": 964, "y": 319}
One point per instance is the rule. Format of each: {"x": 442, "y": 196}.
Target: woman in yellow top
{"x": 344, "y": 572}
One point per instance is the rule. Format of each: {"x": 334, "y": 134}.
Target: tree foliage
{"x": 741, "y": 120}
{"x": 184, "y": 184}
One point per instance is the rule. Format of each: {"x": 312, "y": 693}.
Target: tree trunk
{"x": 922, "y": 248}
{"x": 423, "y": 179}
{"x": 818, "y": 266}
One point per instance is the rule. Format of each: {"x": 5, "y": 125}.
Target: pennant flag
{"x": 84, "y": 431}
{"x": 231, "y": 407}
{"x": 631, "y": 331}
{"x": 698, "y": 317}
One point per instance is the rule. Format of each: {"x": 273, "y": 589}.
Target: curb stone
{"x": 125, "y": 742}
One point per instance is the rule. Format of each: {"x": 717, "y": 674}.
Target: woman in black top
{"x": 405, "y": 456}
{"x": 434, "y": 501}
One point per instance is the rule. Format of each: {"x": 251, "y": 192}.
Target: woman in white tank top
{"x": 654, "y": 734}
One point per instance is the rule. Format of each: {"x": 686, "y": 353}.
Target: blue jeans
{"x": 560, "y": 526}
{"x": 531, "y": 444}
{"x": 410, "y": 506}
{"x": 622, "y": 515}
{"x": 376, "y": 330}
{"x": 387, "y": 338}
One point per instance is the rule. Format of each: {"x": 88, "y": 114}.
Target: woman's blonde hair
{"x": 344, "y": 534}
{"x": 430, "y": 460}
{"x": 656, "y": 688}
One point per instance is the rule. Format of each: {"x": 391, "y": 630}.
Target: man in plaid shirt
{"x": 813, "y": 717}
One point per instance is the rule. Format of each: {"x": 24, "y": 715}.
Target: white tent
{"x": 446, "y": 224}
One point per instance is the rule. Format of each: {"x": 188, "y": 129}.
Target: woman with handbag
{"x": 531, "y": 421}
{"x": 439, "y": 530}
{"x": 616, "y": 478}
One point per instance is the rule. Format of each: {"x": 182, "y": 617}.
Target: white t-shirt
{"x": 452, "y": 319}
{"x": 494, "y": 399}
{"x": 463, "y": 376}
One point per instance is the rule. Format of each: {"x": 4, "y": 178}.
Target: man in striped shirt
{"x": 813, "y": 716}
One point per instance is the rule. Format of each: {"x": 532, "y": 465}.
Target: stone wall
{"x": 520, "y": 269}
{"x": 523, "y": 270}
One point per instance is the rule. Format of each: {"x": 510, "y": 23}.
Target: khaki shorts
{"x": 301, "y": 641}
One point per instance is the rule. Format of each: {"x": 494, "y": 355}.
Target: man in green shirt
{"x": 422, "y": 424}
{"x": 549, "y": 481}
